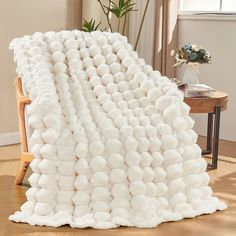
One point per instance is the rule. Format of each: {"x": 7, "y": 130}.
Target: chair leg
{"x": 24, "y": 164}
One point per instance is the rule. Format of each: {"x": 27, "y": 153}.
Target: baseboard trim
{"x": 9, "y": 138}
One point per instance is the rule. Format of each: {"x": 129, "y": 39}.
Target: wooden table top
{"x": 207, "y": 104}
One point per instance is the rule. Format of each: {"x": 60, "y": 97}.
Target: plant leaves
{"x": 121, "y": 9}
{"x": 89, "y": 26}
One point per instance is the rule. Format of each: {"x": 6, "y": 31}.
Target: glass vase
{"x": 191, "y": 74}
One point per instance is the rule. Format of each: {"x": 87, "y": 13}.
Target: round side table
{"x": 212, "y": 105}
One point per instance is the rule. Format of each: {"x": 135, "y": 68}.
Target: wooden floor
{"x": 226, "y": 148}
{"x": 218, "y": 224}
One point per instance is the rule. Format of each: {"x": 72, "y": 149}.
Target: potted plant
{"x": 120, "y": 10}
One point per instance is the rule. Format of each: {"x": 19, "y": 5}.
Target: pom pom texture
{"x": 112, "y": 139}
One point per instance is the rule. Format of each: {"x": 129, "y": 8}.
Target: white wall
{"x": 218, "y": 34}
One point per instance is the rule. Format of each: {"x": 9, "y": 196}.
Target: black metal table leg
{"x": 209, "y": 135}
{"x": 216, "y": 137}
{"x": 216, "y": 133}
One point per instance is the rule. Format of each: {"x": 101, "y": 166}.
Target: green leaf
{"x": 121, "y": 9}
{"x": 89, "y": 26}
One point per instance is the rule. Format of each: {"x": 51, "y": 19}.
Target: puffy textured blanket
{"x": 112, "y": 139}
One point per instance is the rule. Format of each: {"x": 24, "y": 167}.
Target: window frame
{"x": 206, "y": 13}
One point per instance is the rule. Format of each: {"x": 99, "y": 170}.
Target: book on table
{"x": 197, "y": 90}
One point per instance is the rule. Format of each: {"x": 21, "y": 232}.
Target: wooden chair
{"x": 26, "y": 157}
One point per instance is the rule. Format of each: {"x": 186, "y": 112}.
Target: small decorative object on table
{"x": 192, "y": 55}
{"x": 194, "y": 90}
{"x": 198, "y": 90}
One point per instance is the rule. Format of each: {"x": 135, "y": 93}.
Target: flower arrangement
{"x": 191, "y": 53}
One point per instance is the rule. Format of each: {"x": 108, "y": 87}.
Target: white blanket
{"x": 112, "y": 139}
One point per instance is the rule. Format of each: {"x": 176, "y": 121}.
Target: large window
{"x": 208, "y": 5}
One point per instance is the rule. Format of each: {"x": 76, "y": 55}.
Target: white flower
{"x": 195, "y": 47}
{"x": 172, "y": 53}
{"x": 176, "y": 56}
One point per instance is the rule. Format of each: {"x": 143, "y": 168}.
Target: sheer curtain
{"x": 147, "y": 38}
{"x": 159, "y": 33}
{"x": 165, "y": 35}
